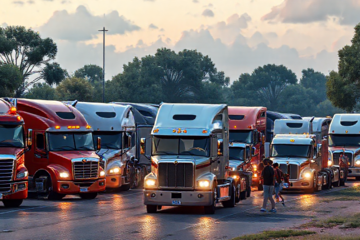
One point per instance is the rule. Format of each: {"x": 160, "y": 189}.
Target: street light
{"x": 103, "y": 30}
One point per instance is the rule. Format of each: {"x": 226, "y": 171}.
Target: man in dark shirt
{"x": 268, "y": 177}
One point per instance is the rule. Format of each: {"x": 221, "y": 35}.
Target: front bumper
{"x": 354, "y": 172}
{"x": 187, "y": 198}
{"x": 18, "y": 191}
{"x": 115, "y": 181}
{"x": 71, "y": 188}
{"x": 300, "y": 185}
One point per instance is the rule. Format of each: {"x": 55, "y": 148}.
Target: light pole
{"x": 103, "y": 30}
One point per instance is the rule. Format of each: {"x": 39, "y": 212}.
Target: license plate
{"x": 176, "y": 202}
{"x": 83, "y": 189}
{"x": 0, "y": 195}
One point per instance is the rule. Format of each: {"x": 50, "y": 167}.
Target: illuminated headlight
{"x": 329, "y": 163}
{"x": 64, "y": 175}
{"x": 102, "y": 173}
{"x": 23, "y": 174}
{"x": 254, "y": 167}
{"x": 232, "y": 168}
{"x": 114, "y": 170}
{"x": 235, "y": 177}
{"x": 255, "y": 175}
{"x": 150, "y": 182}
{"x": 204, "y": 183}
{"x": 307, "y": 175}
{"x": 357, "y": 162}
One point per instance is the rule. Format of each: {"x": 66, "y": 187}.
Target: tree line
{"x": 27, "y": 69}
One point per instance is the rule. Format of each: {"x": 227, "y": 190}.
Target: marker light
{"x": 174, "y": 131}
{"x": 346, "y": 131}
{"x": 234, "y": 126}
{"x": 77, "y": 127}
{"x": 88, "y": 126}
{"x": 64, "y": 175}
{"x": 179, "y": 130}
{"x": 235, "y": 177}
{"x": 156, "y": 130}
{"x": 254, "y": 167}
{"x": 18, "y": 118}
{"x": 12, "y": 110}
{"x": 184, "y": 131}
{"x": 150, "y": 182}
{"x": 114, "y": 170}
{"x": 255, "y": 175}
{"x": 69, "y": 127}
{"x": 204, "y": 183}
{"x": 204, "y": 131}
{"x": 57, "y": 127}
{"x": 292, "y": 140}
{"x": 329, "y": 163}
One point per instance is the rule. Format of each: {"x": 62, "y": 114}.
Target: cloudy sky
{"x": 239, "y": 35}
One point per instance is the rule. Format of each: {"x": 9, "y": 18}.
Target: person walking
{"x": 268, "y": 177}
{"x": 279, "y": 179}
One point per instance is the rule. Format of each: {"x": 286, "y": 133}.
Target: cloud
{"x": 195, "y": 1}
{"x": 306, "y": 11}
{"x": 208, "y": 13}
{"x": 20, "y": 3}
{"x": 30, "y": 2}
{"x": 4, "y": 25}
{"x": 82, "y": 25}
{"x": 152, "y": 26}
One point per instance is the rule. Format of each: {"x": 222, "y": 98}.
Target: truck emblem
{"x": 84, "y": 160}
{"x": 176, "y": 162}
{"x": 287, "y": 162}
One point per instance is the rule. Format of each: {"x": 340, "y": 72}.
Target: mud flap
{"x": 320, "y": 181}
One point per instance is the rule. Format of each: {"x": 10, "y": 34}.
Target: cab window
{"x": 40, "y": 141}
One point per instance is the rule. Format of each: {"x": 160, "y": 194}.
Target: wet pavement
{"x": 122, "y": 215}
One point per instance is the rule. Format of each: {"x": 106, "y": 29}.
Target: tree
{"x": 74, "y": 89}
{"x": 315, "y": 81}
{"x": 41, "y": 91}
{"x": 91, "y": 72}
{"x": 32, "y": 54}
{"x": 10, "y": 78}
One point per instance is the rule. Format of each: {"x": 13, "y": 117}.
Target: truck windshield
{"x": 11, "y": 136}
{"x": 290, "y": 150}
{"x": 181, "y": 146}
{"x": 236, "y": 153}
{"x": 343, "y": 140}
{"x": 70, "y": 141}
{"x": 109, "y": 140}
{"x": 240, "y": 136}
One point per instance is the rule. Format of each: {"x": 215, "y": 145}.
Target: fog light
{"x": 204, "y": 184}
{"x": 357, "y": 162}
{"x": 113, "y": 179}
{"x": 153, "y": 195}
{"x": 65, "y": 186}
{"x": 200, "y": 195}
{"x": 64, "y": 175}
{"x": 255, "y": 174}
{"x": 102, "y": 183}
{"x": 305, "y": 184}
{"x": 235, "y": 177}
{"x": 21, "y": 186}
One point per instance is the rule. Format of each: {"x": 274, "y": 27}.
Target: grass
{"x": 349, "y": 194}
{"x": 323, "y": 237}
{"x": 274, "y": 235}
{"x": 345, "y": 222}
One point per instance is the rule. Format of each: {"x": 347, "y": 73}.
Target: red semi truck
{"x": 248, "y": 125}
{"x": 13, "y": 173}
{"x": 61, "y": 159}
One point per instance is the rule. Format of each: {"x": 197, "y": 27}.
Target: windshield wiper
{"x": 64, "y": 148}
{"x": 111, "y": 146}
{"x": 84, "y": 147}
{"x": 164, "y": 153}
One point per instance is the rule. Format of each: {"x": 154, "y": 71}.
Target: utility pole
{"x": 103, "y": 30}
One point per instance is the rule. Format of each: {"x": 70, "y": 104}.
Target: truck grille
{"x": 5, "y": 187}
{"x": 336, "y": 157}
{"x": 6, "y": 170}
{"x": 291, "y": 169}
{"x": 86, "y": 170}
{"x": 179, "y": 175}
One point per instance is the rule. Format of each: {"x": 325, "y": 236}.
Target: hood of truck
{"x": 11, "y": 151}
{"x": 197, "y": 160}
{"x": 347, "y": 149}
{"x": 235, "y": 163}
{"x": 293, "y": 160}
{"x": 110, "y": 155}
{"x": 75, "y": 154}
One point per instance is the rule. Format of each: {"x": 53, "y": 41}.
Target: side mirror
{"x": 129, "y": 141}
{"x": 220, "y": 146}
{"x": 29, "y": 137}
{"x": 253, "y": 149}
{"x": 98, "y": 143}
{"x": 318, "y": 149}
{"x": 142, "y": 145}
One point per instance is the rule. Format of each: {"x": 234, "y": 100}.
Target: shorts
{"x": 278, "y": 188}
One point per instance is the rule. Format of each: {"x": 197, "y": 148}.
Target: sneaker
{"x": 283, "y": 202}
{"x": 273, "y": 210}
{"x": 263, "y": 210}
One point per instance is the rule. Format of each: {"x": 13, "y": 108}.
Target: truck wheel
{"x": 231, "y": 202}
{"x": 337, "y": 183}
{"x": 88, "y": 195}
{"x": 12, "y": 203}
{"x": 151, "y": 208}
{"x": 248, "y": 188}
{"x": 125, "y": 187}
{"x": 211, "y": 209}
{"x": 237, "y": 195}
{"x": 357, "y": 178}
{"x": 49, "y": 193}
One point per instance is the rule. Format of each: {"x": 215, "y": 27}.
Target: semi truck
{"x": 13, "y": 173}
{"x": 189, "y": 158}
{"x": 248, "y": 125}
{"x": 302, "y": 154}
{"x": 344, "y": 144}
{"x": 115, "y": 125}
{"x": 61, "y": 158}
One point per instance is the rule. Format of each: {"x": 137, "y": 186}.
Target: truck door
{"x": 215, "y": 159}
{"x": 40, "y": 153}
{"x": 143, "y": 131}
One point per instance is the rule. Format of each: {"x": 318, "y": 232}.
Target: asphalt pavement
{"x": 122, "y": 215}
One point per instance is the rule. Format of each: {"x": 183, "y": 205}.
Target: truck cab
{"x": 61, "y": 158}
{"x": 13, "y": 173}
{"x": 189, "y": 158}
{"x": 248, "y": 125}
{"x": 344, "y": 144}
{"x": 115, "y": 125}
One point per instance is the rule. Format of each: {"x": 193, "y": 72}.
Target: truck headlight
{"x": 357, "y": 162}
{"x": 64, "y": 175}
{"x": 23, "y": 174}
{"x": 102, "y": 173}
{"x": 114, "y": 170}
{"x": 307, "y": 175}
{"x": 150, "y": 182}
{"x": 329, "y": 163}
{"x": 204, "y": 183}
{"x": 254, "y": 167}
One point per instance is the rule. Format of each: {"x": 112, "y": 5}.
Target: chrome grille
{"x": 179, "y": 175}
{"x": 86, "y": 170}
{"x": 291, "y": 169}
{"x": 6, "y": 170}
{"x": 336, "y": 157}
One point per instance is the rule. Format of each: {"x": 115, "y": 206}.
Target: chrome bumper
{"x": 186, "y": 198}
{"x": 354, "y": 172}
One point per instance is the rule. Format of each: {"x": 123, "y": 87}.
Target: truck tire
{"x": 337, "y": 183}
{"x": 211, "y": 209}
{"x": 357, "y": 178}
{"x": 231, "y": 202}
{"x": 238, "y": 191}
{"x": 151, "y": 208}
{"x": 125, "y": 187}
{"x": 12, "y": 203}
{"x": 248, "y": 188}
{"x": 88, "y": 195}
{"x": 50, "y": 194}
